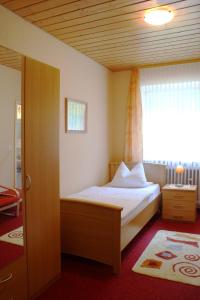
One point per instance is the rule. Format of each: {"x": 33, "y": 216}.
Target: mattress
{"x": 131, "y": 200}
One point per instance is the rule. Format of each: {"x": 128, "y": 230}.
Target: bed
{"x": 97, "y": 229}
{"x": 10, "y": 198}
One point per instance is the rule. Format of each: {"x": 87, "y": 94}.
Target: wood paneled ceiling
{"x": 10, "y": 58}
{"x": 114, "y": 33}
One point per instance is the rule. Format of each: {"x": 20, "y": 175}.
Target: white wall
{"x": 10, "y": 92}
{"x": 83, "y": 157}
{"x": 120, "y": 86}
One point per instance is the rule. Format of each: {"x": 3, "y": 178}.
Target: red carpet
{"x": 9, "y": 252}
{"x": 8, "y": 223}
{"x": 86, "y": 280}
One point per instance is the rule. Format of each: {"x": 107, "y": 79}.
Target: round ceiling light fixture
{"x": 158, "y": 16}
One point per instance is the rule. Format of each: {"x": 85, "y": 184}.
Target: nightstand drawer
{"x": 180, "y": 205}
{"x": 179, "y": 195}
{"x": 173, "y": 214}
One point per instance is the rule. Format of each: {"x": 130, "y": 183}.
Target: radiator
{"x": 190, "y": 176}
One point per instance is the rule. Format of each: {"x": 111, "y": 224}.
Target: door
{"x": 41, "y": 168}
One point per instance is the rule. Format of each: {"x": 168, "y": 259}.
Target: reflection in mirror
{"x": 18, "y": 173}
{"x": 11, "y": 219}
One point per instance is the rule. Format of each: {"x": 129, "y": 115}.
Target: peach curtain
{"x": 133, "y": 134}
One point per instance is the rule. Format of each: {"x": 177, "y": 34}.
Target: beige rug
{"x": 14, "y": 237}
{"x": 172, "y": 255}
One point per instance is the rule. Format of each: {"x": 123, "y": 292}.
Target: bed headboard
{"x": 154, "y": 172}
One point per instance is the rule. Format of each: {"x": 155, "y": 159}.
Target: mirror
{"x": 11, "y": 204}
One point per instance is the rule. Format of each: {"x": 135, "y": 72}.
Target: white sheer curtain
{"x": 171, "y": 113}
{"x": 171, "y": 119}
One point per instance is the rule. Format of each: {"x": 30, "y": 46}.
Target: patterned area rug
{"x": 13, "y": 237}
{"x": 172, "y": 255}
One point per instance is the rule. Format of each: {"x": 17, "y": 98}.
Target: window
{"x": 171, "y": 121}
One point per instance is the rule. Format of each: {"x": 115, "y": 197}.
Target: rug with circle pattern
{"x": 14, "y": 237}
{"x": 172, "y": 255}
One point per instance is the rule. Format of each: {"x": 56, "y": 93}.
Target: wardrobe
{"x": 39, "y": 266}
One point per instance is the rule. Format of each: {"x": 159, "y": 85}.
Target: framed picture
{"x": 75, "y": 116}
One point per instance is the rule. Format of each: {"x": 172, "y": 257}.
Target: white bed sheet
{"x": 131, "y": 200}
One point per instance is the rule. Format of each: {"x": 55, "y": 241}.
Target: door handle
{"x": 28, "y": 182}
{"x": 7, "y": 278}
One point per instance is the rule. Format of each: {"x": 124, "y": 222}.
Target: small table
{"x": 179, "y": 202}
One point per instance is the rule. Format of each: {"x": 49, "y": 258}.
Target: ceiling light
{"x": 158, "y": 16}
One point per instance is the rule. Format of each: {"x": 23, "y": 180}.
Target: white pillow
{"x": 125, "y": 178}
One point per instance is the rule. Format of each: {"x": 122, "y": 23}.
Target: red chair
{"x": 10, "y": 198}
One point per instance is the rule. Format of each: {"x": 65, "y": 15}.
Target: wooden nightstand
{"x": 179, "y": 203}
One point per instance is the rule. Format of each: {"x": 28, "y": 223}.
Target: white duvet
{"x": 131, "y": 200}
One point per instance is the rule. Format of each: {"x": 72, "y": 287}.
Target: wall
{"x": 120, "y": 86}
{"x": 10, "y": 92}
{"x": 83, "y": 157}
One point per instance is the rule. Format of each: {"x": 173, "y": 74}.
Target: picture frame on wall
{"x": 75, "y": 116}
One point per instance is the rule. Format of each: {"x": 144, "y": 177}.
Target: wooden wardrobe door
{"x": 41, "y": 150}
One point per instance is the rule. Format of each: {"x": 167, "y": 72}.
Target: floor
{"x": 83, "y": 279}
{"x": 9, "y": 252}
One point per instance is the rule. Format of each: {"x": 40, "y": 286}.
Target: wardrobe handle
{"x": 7, "y": 278}
{"x": 28, "y": 182}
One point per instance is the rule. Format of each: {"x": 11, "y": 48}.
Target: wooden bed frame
{"x": 93, "y": 230}
{"x": 16, "y": 201}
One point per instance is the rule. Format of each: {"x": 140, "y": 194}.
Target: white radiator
{"x": 190, "y": 176}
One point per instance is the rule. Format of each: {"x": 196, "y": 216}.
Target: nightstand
{"x": 179, "y": 203}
